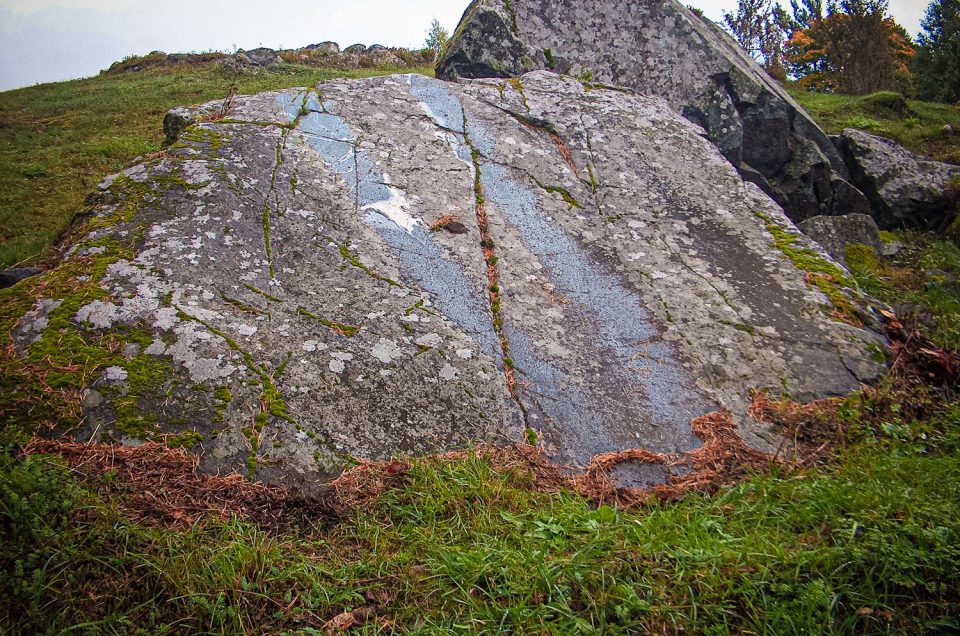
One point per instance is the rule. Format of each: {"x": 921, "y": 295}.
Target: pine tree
{"x": 937, "y": 65}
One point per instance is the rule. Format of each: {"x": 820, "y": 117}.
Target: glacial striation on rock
{"x": 272, "y": 287}
{"x": 661, "y": 48}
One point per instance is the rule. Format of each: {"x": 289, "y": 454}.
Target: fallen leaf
{"x": 339, "y": 623}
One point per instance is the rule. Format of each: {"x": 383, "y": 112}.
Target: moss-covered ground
{"x": 864, "y": 538}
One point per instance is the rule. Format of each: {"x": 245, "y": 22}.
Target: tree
{"x": 760, "y": 27}
{"x": 937, "y": 64}
{"x": 856, "y": 48}
{"x": 437, "y": 37}
{"x": 805, "y": 13}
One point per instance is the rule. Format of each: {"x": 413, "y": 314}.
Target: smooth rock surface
{"x": 282, "y": 258}
{"x": 906, "y": 190}
{"x": 661, "y": 48}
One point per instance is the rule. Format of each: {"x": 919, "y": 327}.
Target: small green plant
{"x": 437, "y": 37}
{"x": 531, "y": 437}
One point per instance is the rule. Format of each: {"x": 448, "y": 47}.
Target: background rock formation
{"x": 905, "y": 189}
{"x": 609, "y": 278}
{"x": 660, "y": 48}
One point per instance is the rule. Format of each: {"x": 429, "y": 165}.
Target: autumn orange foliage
{"x": 854, "y": 54}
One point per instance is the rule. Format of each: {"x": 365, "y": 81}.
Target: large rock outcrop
{"x": 273, "y": 283}
{"x": 661, "y": 48}
{"x": 906, "y": 190}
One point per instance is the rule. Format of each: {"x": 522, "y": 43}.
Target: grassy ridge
{"x": 916, "y": 125}
{"x": 57, "y": 141}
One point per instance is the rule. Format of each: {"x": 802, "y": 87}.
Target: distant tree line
{"x": 852, "y": 46}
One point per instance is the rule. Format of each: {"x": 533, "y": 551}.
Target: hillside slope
{"x": 853, "y": 529}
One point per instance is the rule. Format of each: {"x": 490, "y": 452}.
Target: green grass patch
{"x": 922, "y": 282}
{"x": 867, "y": 547}
{"x": 917, "y": 125}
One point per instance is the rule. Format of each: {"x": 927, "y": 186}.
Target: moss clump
{"x": 862, "y": 259}
{"x": 224, "y": 397}
{"x": 512, "y": 12}
{"x": 207, "y": 137}
{"x": 563, "y": 192}
{"x": 518, "y": 86}
{"x": 821, "y": 273}
{"x": 551, "y": 62}
{"x": 44, "y": 382}
{"x": 745, "y": 328}
{"x": 348, "y": 331}
{"x": 240, "y": 305}
{"x": 260, "y": 292}
{"x": 355, "y": 262}
{"x": 186, "y": 439}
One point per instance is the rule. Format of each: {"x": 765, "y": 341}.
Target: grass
{"x": 868, "y": 546}
{"x": 922, "y": 282}
{"x": 916, "y": 125}
{"x": 57, "y": 141}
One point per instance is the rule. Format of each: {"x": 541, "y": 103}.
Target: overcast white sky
{"x": 49, "y": 40}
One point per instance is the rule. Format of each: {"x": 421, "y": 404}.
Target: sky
{"x": 52, "y": 40}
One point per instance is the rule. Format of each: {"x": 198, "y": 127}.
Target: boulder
{"x": 175, "y": 122}
{"x": 12, "y": 276}
{"x": 661, "y": 48}
{"x": 355, "y": 49}
{"x": 331, "y": 48}
{"x": 835, "y": 233}
{"x": 612, "y": 279}
{"x": 382, "y": 57}
{"x": 906, "y": 190}
{"x": 263, "y": 57}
